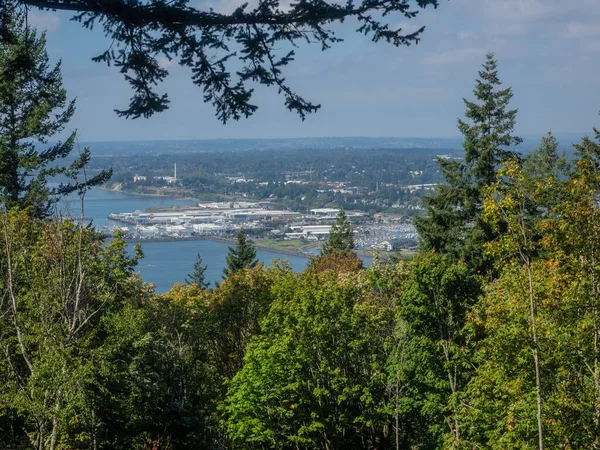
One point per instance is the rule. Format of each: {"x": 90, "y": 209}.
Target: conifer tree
{"x": 240, "y": 257}
{"x": 34, "y": 109}
{"x": 198, "y": 276}
{"x": 453, "y": 223}
{"x": 546, "y": 166}
{"x": 341, "y": 239}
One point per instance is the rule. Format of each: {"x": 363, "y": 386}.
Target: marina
{"x": 223, "y": 219}
{"x": 213, "y": 219}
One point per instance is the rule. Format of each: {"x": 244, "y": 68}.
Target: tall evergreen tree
{"x": 453, "y": 224}
{"x": 240, "y": 257}
{"x": 341, "y": 239}
{"x": 198, "y": 276}
{"x": 34, "y": 109}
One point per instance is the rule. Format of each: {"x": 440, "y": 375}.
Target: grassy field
{"x": 284, "y": 245}
{"x": 298, "y": 244}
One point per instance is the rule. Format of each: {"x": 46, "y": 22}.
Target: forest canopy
{"x": 487, "y": 338}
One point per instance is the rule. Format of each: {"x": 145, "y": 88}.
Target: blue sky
{"x": 548, "y": 51}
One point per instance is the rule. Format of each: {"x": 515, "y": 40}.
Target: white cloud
{"x": 514, "y": 17}
{"x": 164, "y": 62}
{"x": 465, "y": 35}
{"x": 43, "y": 20}
{"x": 592, "y": 46}
{"x": 229, "y": 6}
{"x": 455, "y": 56}
{"x": 580, "y": 29}
{"x": 224, "y": 6}
{"x": 407, "y": 27}
{"x": 508, "y": 29}
{"x": 518, "y": 10}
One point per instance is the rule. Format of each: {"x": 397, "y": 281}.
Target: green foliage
{"x": 240, "y": 303}
{"x": 438, "y": 297}
{"x": 181, "y": 381}
{"x": 337, "y": 261}
{"x": 240, "y": 257}
{"x": 199, "y": 342}
{"x": 536, "y": 379}
{"x": 198, "y": 276}
{"x": 33, "y": 109}
{"x": 488, "y": 134}
{"x": 316, "y": 375}
{"x": 65, "y": 297}
{"x": 502, "y": 394}
{"x": 341, "y": 238}
{"x": 444, "y": 291}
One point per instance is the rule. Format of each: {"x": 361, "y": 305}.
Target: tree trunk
{"x": 397, "y": 419}
{"x": 54, "y": 435}
{"x": 538, "y": 383}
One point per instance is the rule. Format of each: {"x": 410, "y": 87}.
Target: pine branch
{"x": 202, "y": 40}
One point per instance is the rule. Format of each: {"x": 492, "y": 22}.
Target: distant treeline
{"x": 383, "y": 174}
{"x": 170, "y": 147}
{"x": 359, "y": 167}
{"x": 131, "y": 148}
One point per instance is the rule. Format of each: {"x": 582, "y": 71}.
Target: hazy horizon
{"x": 290, "y": 138}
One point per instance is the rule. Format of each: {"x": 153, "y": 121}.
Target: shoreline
{"x": 258, "y": 246}
{"x": 117, "y": 191}
{"x": 298, "y": 253}
{"x": 225, "y": 240}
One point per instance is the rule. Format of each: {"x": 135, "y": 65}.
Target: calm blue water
{"x": 169, "y": 262}
{"x": 99, "y": 204}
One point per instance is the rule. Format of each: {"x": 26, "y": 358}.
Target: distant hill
{"x": 127, "y": 148}
{"x": 229, "y": 145}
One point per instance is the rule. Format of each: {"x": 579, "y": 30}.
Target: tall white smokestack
{"x": 175, "y": 171}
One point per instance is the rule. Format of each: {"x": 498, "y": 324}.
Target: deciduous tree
{"x": 316, "y": 375}
{"x": 439, "y": 295}
{"x": 68, "y": 312}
